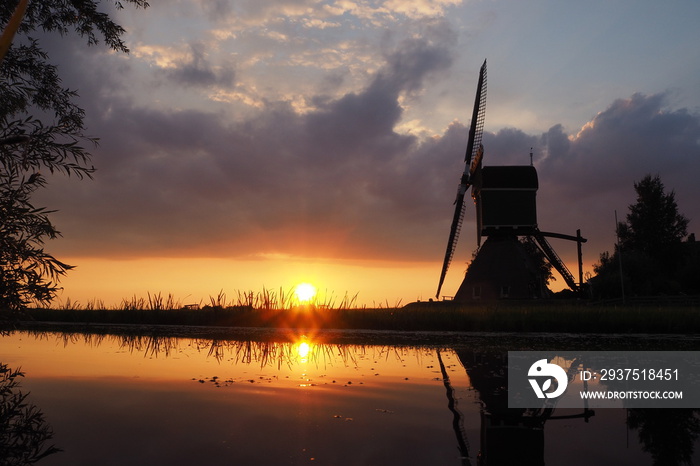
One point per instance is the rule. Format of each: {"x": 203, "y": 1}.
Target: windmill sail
{"x": 474, "y": 147}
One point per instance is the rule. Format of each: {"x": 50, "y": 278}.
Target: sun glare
{"x": 303, "y": 350}
{"x": 305, "y": 292}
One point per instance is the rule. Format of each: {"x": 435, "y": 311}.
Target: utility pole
{"x": 580, "y": 262}
{"x": 619, "y": 257}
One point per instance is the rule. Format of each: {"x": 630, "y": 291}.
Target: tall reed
{"x": 278, "y": 309}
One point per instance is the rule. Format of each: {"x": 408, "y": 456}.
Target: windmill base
{"x": 502, "y": 269}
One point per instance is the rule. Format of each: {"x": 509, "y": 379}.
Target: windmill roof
{"x": 509, "y": 176}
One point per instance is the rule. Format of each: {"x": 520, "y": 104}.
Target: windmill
{"x": 506, "y": 210}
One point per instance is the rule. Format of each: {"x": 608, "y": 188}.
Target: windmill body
{"x": 506, "y": 215}
{"x": 506, "y": 208}
{"x": 505, "y": 198}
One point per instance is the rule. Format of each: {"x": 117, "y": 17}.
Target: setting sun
{"x": 305, "y": 292}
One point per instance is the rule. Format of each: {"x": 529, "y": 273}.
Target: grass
{"x": 270, "y": 309}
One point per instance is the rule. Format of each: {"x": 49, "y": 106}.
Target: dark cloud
{"x": 509, "y": 146}
{"x": 339, "y": 181}
{"x": 555, "y": 143}
{"x": 217, "y": 10}
{"x": 198, "y": 71}
{"x": 630, "y": 138}
{"x": 336, "y": 181}
{"x": 411, "y": 62}
{"x": 587, "y": 176}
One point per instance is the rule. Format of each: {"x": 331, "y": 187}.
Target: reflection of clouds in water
{"x": 260, "y": 391}
{"x": 172, "y": 386}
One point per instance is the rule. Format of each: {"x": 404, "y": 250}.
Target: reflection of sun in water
{"x": 305, "y": 292}
{"x": 303, "y": 350}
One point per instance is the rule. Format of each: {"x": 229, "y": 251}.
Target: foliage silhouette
{"x": 23, "y": 430}
{"x": 668, "y": 435}
{"x": 651, "y": 246}
{"x": 41, "y": 127}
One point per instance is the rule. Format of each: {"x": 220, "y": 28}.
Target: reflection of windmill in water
{"x": 507, "y": 436}
{"x": 505, "y": 198}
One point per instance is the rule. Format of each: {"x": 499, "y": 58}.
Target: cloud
{"x": 413, "y": 61}
{"x": 420, "y": 8}
{"x": 197, "y": 71}
{"x": 588, "y": 175}
{"x": 187, "y": 65}
{"x": 334, "y": 181}
{"x": 508, "y": 146}
{"x": 217, "y": 10}
{"x": 338, "y": 180}
{"x": 255, "y": 12}
{"x": 631, "y": 137}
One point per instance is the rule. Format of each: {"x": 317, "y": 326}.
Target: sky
{"x": 254, "y": 145}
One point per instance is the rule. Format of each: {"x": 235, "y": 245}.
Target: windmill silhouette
{"x": 506, "y": 212}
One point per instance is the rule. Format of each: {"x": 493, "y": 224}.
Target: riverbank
{"x": 553, "y": 317}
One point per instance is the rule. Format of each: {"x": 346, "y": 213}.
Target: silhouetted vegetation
{"x": 41, "y": 128}
{"x": 544, "y": 268}
{"x": 23, "y": 430}
{"x": 510, "y": 316}
{"x": 668, "y": 435}
{"x": 658, "y": 256}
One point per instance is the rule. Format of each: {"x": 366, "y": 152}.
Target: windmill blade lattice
{"x": 472, "y": 161}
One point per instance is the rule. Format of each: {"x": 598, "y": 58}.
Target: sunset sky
{"x": 255, "y": 144}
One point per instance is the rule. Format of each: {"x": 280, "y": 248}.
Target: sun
{"x": 305, "y": 292}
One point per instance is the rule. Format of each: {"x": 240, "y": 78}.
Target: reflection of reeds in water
{"x": 267, "y": 353}
{"x": 279, "y": 354}
{"x": 289, "y": 354}
{"x": 151, "y": 346}
{"x": 286, "y": 353}
{"x": 90, "y": 339}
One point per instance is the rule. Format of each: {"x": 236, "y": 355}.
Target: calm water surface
{"x": 115, "y": 400}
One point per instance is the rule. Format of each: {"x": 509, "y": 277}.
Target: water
{"x": 301, "y": 399}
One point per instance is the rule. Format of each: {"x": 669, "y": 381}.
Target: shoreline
{"x": 549, "y": 317}
{"x": 495, "y": 340}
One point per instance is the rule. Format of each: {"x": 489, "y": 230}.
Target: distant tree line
{"x": 654, "y": 255}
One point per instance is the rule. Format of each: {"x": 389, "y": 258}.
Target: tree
{"x": 539, "y": 260}
{"x": 41, "y": 127}
{"x": 654, "y": 226}
{"x": 651, "y": 246}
